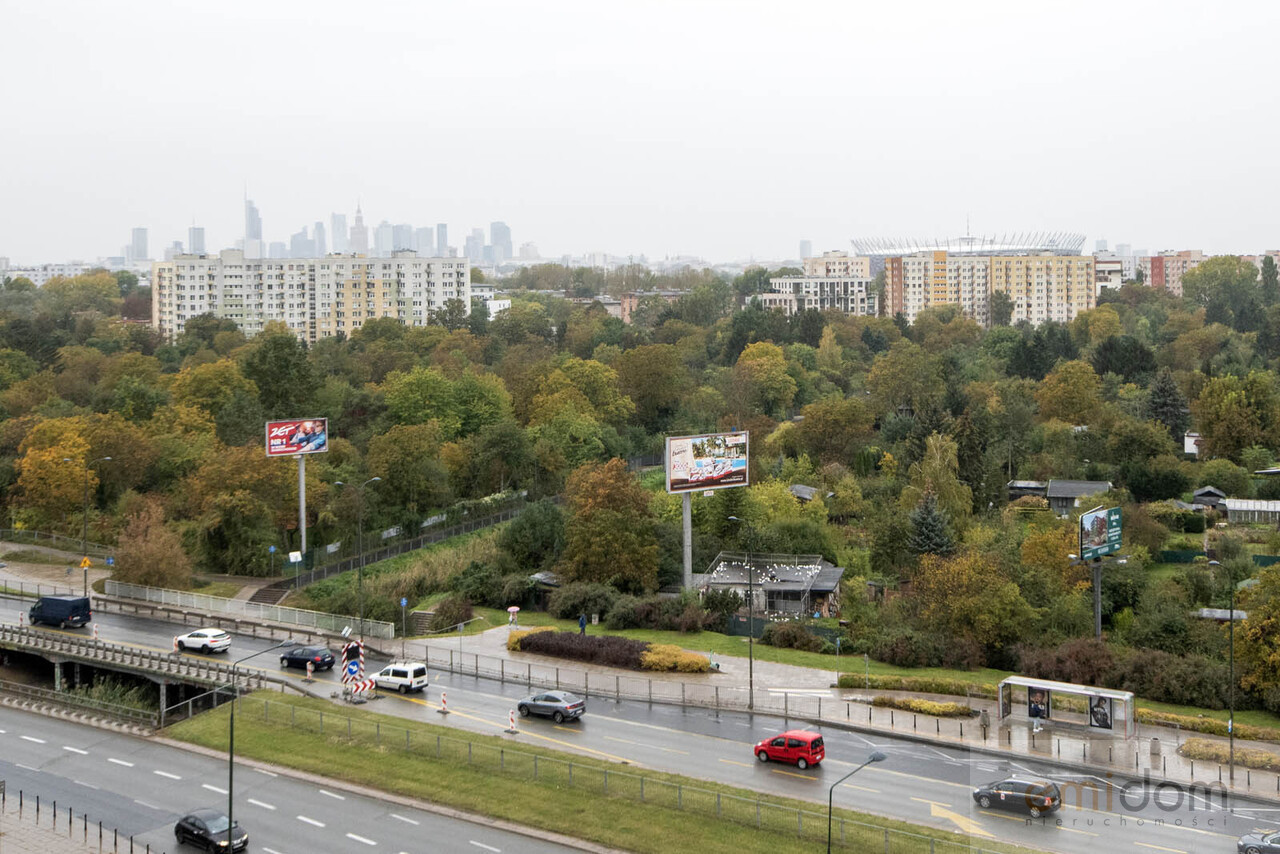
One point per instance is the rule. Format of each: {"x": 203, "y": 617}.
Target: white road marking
{"x": 332, "y": 795}
{"x": 270, "y": 851}
{"x": 361, "y": 839}
{"x": 76, "y": 750}
{"x": 86, "y": 785}
{"x": 482, "y": 845}
{"x": 120, "y": 762}
{"x": 33, "y": 738}
{"x": 145, "y": 804}
{"x": 402, "y": 818}
{"x": 261, "y": 804}
{"x": 167, "y": 774}
{"x": 213, "y": 788}
{"x": 268, "y": 773}
{"x": 28, "y": 767}
{"x": 311, "y": 821}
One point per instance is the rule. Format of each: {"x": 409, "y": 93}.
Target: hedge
{"x": 663, "y": 656}
{"x": 1214, "y": 751}
{"x": 1209, "y": 726}
{"x": 514, "y": 638}
{"x": 925, "y": 707}
{"x": 919, "y": 684}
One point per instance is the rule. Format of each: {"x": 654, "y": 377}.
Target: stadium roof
{"x": 1058, "y": 242}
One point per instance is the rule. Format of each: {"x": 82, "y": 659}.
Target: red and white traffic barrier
{"x": 511, "y": 722}
{"x": 310, "y": 670}
{"x": 95, "y": 631}
{"x": 175, "y": 644}
{"x": 19, "y": 619}
{"x": 360, "y": 686}
{"x": 347, "y": 657}
{"x": 444, "y": 704}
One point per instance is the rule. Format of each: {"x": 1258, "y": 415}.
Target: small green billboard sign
{"x": 1099, "y": 532}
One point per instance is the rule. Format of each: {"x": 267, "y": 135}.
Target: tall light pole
{"x": 231, "y": 744}
{"x": 751, "y": 626}
{"x": 1231, "y": 688}
{"x": 360, "y": 542}
{"x": 877, "y": 756}
{"x": 84, "y": 531}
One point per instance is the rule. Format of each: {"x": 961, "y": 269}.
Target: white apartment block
{"x": 1108, "y": 270}
{"x": 1042, "y": 286}
{"x": 838, "y": 265}
{"x": 793, "y": 294}
{"x": 315, "y": 297}
{"x": 40, "y": 274}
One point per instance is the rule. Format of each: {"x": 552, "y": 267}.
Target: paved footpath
{"x": 21, "y": 835}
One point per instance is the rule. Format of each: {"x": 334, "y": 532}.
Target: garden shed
{"x": 1252, "y": 510}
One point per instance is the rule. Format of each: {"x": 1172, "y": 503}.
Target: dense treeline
{"x": 908, "y": 433}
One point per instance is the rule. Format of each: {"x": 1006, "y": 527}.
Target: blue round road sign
{"x": 353, "y": 668}
{"x": 403, "y": 602}
{"x": 271, "y": 550}
{"x": 111, "y": 561}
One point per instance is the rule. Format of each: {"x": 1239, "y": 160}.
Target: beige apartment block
{"x": 315, "y": 297}
{"x": 1167, "y": 269}
{"x": 838, "y": 265}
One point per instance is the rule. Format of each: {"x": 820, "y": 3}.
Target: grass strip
{"x": 543, "y": 788}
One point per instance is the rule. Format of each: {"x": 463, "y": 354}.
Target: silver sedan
{"x": 557, "y": 705}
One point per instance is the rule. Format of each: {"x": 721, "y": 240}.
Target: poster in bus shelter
{"x": 298, "y": 436}
{"x": 713, "y": 461}
{"x": 1101, "y": 712}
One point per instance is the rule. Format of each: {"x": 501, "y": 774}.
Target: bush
{"x": 535, "y": 538}
{"x": 623, "y": 614}
{"x": 663, "y": 657}
{"x": 478, "y": 582}
{"x": 1084, "y": 661}
{"x": 581, "y": 598}
{"x": 660, "y": 612}
{"x": 791, "y": 636}
{"x": 514, "y": 637}
{"x": 720, "y": 606}
{"x": 1213, "y": 751}
{"x": 1191, "y": 680}
{"x": 607, "y": 650}
{"x": 1194, "y": 523}
{"x": 907, "y": 648}
{"x": 448, "y": 613}
{"x": 919, "y": 684}
{"x": 924, "y": 707}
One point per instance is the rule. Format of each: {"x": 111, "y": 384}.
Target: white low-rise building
{"x": 794, "y": 294}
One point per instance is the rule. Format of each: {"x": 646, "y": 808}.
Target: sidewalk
{"x": 21, "y": 835}
{"x": 808, "y": 694}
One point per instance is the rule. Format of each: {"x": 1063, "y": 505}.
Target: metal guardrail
{"x": 35, "y": 590}
{"x": 252, "y": 610}
{"x": 755, "y": 812}
{"x": 77, "y": 700}
{"x": 72, "y": 545}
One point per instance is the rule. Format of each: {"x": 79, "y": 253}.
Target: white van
{"x": 404, "y": 676}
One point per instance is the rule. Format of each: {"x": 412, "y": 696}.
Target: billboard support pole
{"x": 1097, "y": 599}
{"x": 302, "y": 503}
{"x": 687, "y": 518}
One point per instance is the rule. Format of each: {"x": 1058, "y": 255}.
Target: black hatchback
{"x": 1033, "y": 797}
{"x": 209, "y": 830}
{"x": 320, "y": 658}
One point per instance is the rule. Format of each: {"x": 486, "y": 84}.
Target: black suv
{"x": 1033, "y": 797}
{"x": 320, "y": 658}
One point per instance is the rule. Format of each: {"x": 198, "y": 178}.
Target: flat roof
{"x": 1067, "y": 688}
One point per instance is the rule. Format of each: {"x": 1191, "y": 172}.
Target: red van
{"x": 798, "y": 746}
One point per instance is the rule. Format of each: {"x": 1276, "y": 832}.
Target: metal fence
{"x": 35, "y": 590}
{"x": 74, "y": 545}
{"x": 249, "y": 610}
{"x": 22, "y": 806}
{"x": 77, "y": 700}
{"x": 600, "y": 779}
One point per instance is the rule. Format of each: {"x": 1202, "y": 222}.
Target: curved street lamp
{"x": 231, "y": 743}
{"x": 84, "y": 531}
{"x": 877, "y": 756}
{"x": 751, "y": 626}
{"x": 360, "y": 542}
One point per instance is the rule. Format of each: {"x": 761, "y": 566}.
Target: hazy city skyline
{"x": 722, "y": 130}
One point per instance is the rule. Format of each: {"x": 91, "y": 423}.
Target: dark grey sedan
{"x": 560, "y": 706}
{"x": 209, "y": 830}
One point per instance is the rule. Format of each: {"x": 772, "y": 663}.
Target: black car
{"x": 1259, "y": 843}
{"x": 1033, "y": 797}
{"x": 208, "y": 829}
{"x": 320, "y": 658}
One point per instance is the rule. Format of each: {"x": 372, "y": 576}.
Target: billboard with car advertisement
{"x": 300, "y": 436}
{"x": 713, "y": 461}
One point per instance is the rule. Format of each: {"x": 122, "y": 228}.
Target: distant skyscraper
{"x": 806, "y": 249}
{"x": 359, "y": 242}
{"x": 301, "y": 246}
{"x": 500, "y": 238}
{"x": 1124, "y": 250}
{"x": 442, "y": 240}
{"x": 402, "y": 237}
{"x": 195, "y": 240}
{"x": 473, "y": 249}
{"x": 1100, "y": 246}
{"x": 426, "y": 242}
{"x": 173, "y": 250}
{"x": 338, "y": 232}
{"x": 138, "y": 247}
{"x": 278, "y": 250}
{"x": 383, "y": 239}
{"x": 317, "y": 240}
{"x": 528, "y": 251}
{"x": 252, "y": 231}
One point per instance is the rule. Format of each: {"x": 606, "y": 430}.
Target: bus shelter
{"x": 1103, "y": 710}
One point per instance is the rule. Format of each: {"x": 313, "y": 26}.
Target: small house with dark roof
{"x": 1022, "y": 488}
{"x": 1064, "y": 495}
{"x": 791, "y": 585}
{"x": 1209, "y": 496}
{"x": 805, "y": 493}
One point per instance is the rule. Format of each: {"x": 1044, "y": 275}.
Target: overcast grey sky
{"x": 724, "y": 129}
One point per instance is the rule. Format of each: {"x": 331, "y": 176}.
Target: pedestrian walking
{"x": 582, "y": 624}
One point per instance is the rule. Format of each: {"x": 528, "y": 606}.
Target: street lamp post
{"x": 751, "y": 627}
{"x": 360, "y": 542}
{"x": 84, "y": 530}
{"x": 1231, "y": 678}
{"x": 877, "y": 756}
{"x": 231, "y": 744}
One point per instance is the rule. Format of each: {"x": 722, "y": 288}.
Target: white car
{"x": 205, "y": 640}
{"x": 403, "y": 676}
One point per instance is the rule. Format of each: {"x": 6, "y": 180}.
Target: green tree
{"x": 930, "y": 530}
{"x": 1001, "y": 308}
{"x": 761, "y": 382}
{"x": 535, "y": 538}
{"x": 1269, "y": 291}
{"x": 656, "y": 380}
{"x": 1227, "y": 287}
{"x": 211, "y": 386}
{"x": 422, "y": 395}
{"x": 1234, "y": 413}
{"x": 937, "y": 474}
{"x": 277, "y": 364}
{"x": 407, "y": 458}
{"x": 960, "y": 597}
{"x": 1167, "y": 404}
{"x": 609, "y": 536}
{"x": 1070, "y": 393}
{"x": 834, "y": 428}
{"x": 150, "y": 553}
{"x": 905, "y": 377}
{"x": 451, "y": 315}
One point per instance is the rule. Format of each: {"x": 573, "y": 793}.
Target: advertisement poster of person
{"x": 1038, "y": 703}
{"x": 300, "y": 436}
{"x": 1100, "y": 712}
{"x": 714, "y": 461}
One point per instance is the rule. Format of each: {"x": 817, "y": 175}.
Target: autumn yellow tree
{"x": 961, "y": 596}
{"x": 1071, "y": 392}
{"x": 609, "y": 536}
{"x": 149, "y": 552}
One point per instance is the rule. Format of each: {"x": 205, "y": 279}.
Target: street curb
{"x": 401, "y": 800}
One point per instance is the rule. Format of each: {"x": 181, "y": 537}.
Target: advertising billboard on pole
{"x": 299, "y": 436}
{"x": 1099, "y": 533}
{"x": 713, "y": 461}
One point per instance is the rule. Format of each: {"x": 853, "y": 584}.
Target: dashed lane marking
{"x": 327, "y": 794}
{"x": 310, "y": 821}
{"x": 75, "y": 750}
{"x": 213, "y": 788}
{"x": 34, "y": 739}
{"x": 119, "y": 762}
{"x": 361, "y": 839}
{"x": 261, "y": 804}
{"x": 167, "y": 774}
{"x": 405, "y": 820}
{"x": 485, "y": 847}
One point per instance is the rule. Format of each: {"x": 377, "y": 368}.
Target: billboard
{"x": 300, "y": 436}
{"x": 1039, "y": 703}
{"x": 1101, "y": 712}
{"x": 1099, "y": 532}
{"x": 713, "y": 461}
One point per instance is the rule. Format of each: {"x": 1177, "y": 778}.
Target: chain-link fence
{"x": 595, "y": 778}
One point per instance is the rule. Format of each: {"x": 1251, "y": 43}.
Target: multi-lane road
{"x": 921, "y": 783}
